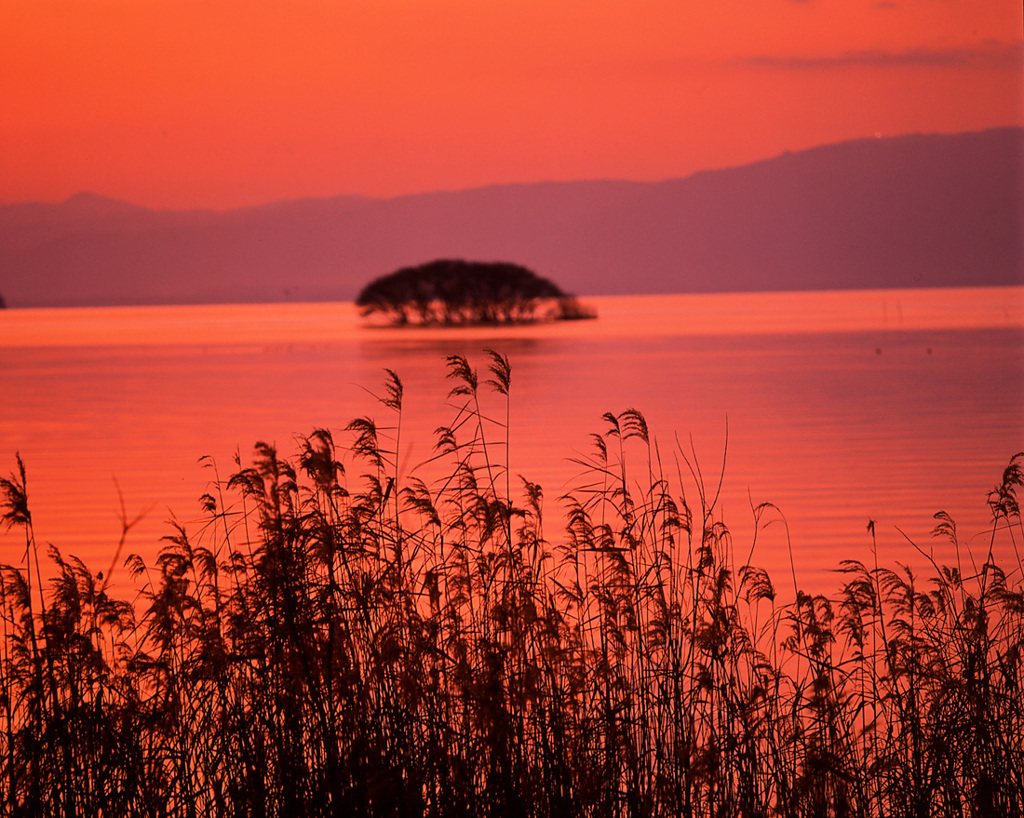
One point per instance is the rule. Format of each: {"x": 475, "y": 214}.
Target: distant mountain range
{"x": 929, "y": 211}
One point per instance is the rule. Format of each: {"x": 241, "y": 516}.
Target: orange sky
{"x": 218, "y": 103}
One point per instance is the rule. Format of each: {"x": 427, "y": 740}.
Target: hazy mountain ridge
{"x": 935, "y": 210}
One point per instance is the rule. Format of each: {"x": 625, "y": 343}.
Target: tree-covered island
{"x": 454, "y": 292}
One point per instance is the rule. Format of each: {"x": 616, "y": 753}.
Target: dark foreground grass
{"x": 336, "y": 640}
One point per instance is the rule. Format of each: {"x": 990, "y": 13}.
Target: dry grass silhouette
{"x": 337, "y": 639}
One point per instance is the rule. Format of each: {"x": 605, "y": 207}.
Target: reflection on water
{"x": 639, "y": 315}
{"x": 840, "y": 407}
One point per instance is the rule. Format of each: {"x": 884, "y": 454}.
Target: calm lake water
{"x": 840, "y": 407}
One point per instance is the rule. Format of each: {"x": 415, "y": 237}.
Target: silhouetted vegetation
{"x": 453, "y": 292}
{"x": 336, "y": 639}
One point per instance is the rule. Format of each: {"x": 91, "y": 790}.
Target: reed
{"x": 337, "y": 638}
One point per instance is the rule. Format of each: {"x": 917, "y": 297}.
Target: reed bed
{"x": 336, "y": 639}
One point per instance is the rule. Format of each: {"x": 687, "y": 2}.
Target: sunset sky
{"x": 220, "y": 103}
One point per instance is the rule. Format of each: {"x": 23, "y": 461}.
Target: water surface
{"x": 837, "y": 407}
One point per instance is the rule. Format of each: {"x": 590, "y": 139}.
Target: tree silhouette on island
{"x": 454, "y": 292}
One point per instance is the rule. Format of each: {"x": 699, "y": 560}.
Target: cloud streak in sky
{"x": 987, "y": 56}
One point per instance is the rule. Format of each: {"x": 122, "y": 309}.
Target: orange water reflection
{"x": 841, "y": 407}
{"x": 705, "y": 314}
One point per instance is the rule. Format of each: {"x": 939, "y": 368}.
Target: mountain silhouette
{"x": 922, "y": 210}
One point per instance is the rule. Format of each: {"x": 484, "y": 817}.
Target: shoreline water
{"x": 676, "y": 314}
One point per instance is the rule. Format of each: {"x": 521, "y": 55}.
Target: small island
{"x": 454, "y": 292}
